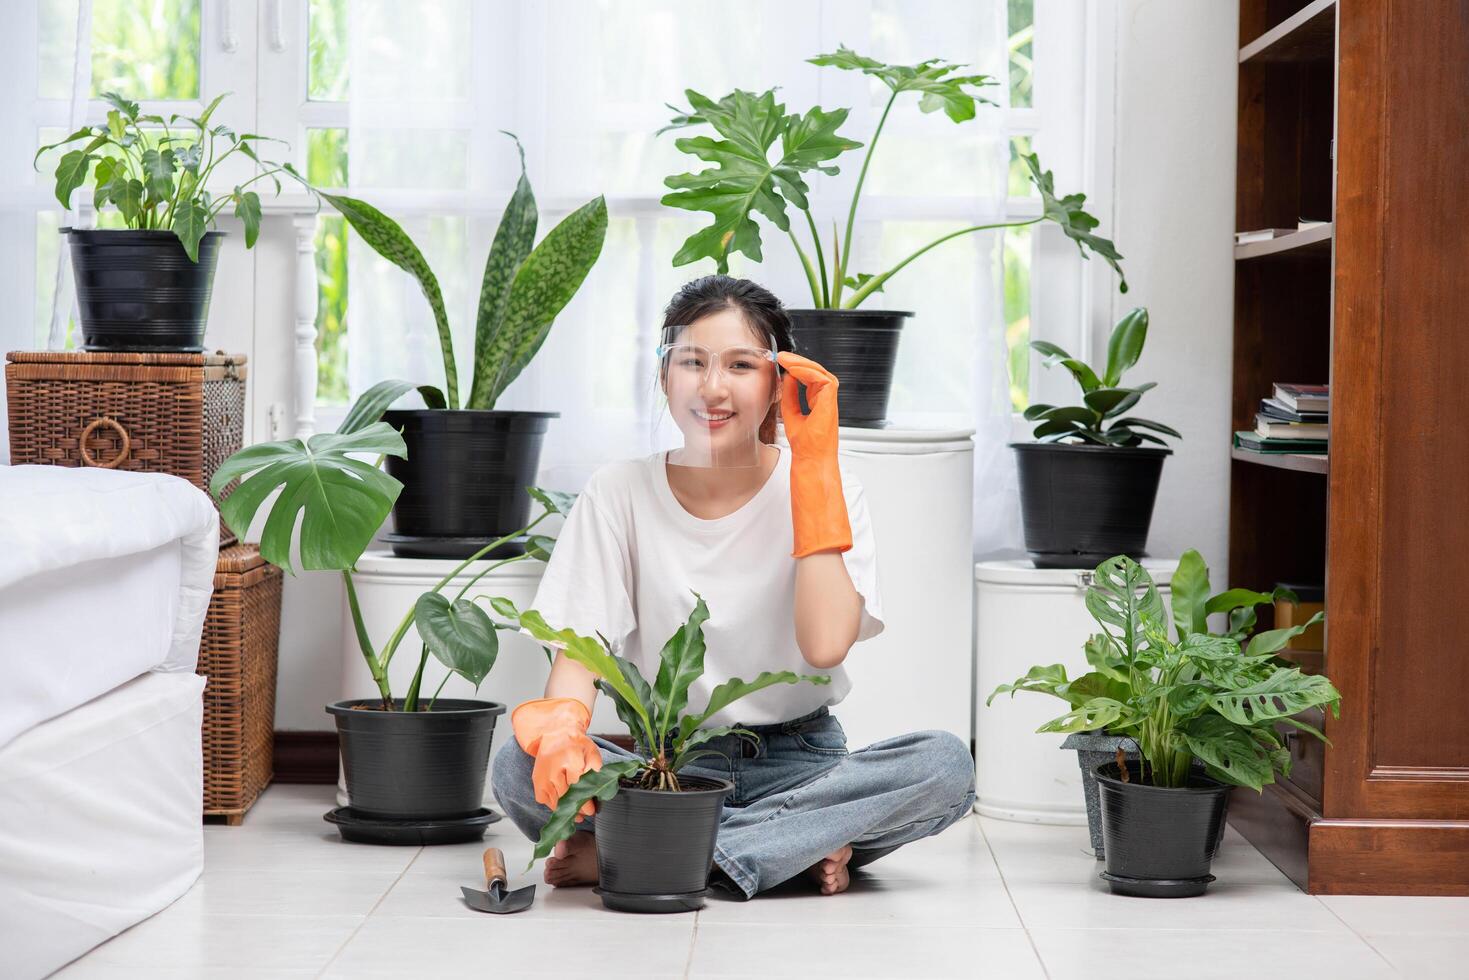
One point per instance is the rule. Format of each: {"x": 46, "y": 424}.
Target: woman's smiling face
{"x": 719, "y": 387}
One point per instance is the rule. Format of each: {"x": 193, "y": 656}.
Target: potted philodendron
{"x": 1088, "y": 482}
{"x": 858, "y": 345}
{"x": 1204, "y": 710}
{"x": 417, "y": 758}
{"x": 644, "y": 800}
{"x": 467, "y": 463}
{"x": 146, "y": 286}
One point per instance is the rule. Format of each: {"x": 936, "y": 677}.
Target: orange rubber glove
{"x": 818, "y": 507}
{"x": 554, "y": 730}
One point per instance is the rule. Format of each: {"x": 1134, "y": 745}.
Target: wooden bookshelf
{"x": 1371, "y": 303}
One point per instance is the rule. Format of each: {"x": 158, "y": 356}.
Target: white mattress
{"x": 99, "y": 820}
{"x": 103, "y": 576}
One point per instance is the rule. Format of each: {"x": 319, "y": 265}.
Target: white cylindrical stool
{"x": 1026, "y": 616}
{"x": 388, "y": 586}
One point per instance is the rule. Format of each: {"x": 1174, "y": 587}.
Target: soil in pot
{"x": 1160, "y": 841}
{"x": 464, "y": 479}
{"x": 655, "y": 847}
{"x": 1084, "y": 504}
{"x": 422, "y": 765}
{"x": 860, "y": 347}
{"x": 139, "y": 290}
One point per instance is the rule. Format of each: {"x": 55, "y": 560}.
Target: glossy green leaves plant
{"x": 1102, "y": 418}
{"x": 1193, "y": 695}
{"x": 648, "y": 710}
{"x": 760, "y": 157}
{"x": 157, "y": 176}
{"x": 523, "y": 290}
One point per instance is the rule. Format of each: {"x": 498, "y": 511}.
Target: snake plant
{"x": 745, "y": 179}
{"x": 1217, "y": 698}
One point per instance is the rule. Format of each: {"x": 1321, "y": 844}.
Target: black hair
{"x": 710, "y": 294}
{"x": 763, "y": 312}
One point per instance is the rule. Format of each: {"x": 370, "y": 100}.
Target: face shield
{"x": 719, "y": 394}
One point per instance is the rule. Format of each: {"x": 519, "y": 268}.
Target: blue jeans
{"x": 798, "y": 796}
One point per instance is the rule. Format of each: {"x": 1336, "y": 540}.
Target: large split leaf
{"x": 934, "y": 80}
{"x": 340, "y": 501}
{"x": 1124, "y": 597}
{"x": 1229, "y": 752}
{"x": 1285, "y": 692}
{"x": 1067, "y": 212}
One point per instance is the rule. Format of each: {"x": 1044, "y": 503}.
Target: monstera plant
{"x": 760, "y": 158}
{"x": 466, "y": 461}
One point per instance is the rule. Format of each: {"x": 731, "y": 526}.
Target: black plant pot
{"x": 422, "y": 765}
{"x": 1160, "y": 841}
{"x": 464, "y": 480}
{"x": 1084, "y": 504}
{"x": 655, "y": 847}
{"x": 860, "y": 347}
{"x": 139, "y": 290}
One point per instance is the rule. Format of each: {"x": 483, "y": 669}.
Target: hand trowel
{"x": 498, "y": 898}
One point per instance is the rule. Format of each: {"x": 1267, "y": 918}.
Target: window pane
{"x": 1022, "y": 48}
{"x": 328, "y": 69}
{"x": 1017, "y": 313}
{"x": 1020, "y": 185}
{"x": 331, "y": 309}
{"x": 326, "y": 157}
{"x": 144, "y": 49}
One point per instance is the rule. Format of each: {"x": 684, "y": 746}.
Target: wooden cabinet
{"x": 1358, "y": 111}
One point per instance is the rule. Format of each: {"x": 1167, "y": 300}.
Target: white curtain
{"x": 584, "y": 84}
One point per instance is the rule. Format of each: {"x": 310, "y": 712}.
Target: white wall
{"x": 1173, "y": 165}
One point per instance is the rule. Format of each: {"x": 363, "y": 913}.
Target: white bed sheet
{"x": 103, "y": 576}
{"x": 99, "y": 820}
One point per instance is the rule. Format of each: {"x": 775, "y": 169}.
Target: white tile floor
{"x": 282, "y": 896}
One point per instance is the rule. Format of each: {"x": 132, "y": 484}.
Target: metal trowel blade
{"x": 482, "y": 901}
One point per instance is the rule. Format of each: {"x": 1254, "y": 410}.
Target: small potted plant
{"x": 146, "y": 287}
{"x": 467, "y": 462}
{"x": 645, "y": 799}
{"x": 1088, "y": 482}
{"x": 1202, "y": 709}
{"x": 418, "y": 757}
{"x": 858, "y": 345}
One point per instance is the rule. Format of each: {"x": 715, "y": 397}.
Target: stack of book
{"x": 1293, "y": 420}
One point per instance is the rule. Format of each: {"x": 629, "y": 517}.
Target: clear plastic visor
{"x": 718, "y": 396}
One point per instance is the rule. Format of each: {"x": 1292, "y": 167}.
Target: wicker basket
{"x": 238, "y": 655}
{"x": 169, "y": 413}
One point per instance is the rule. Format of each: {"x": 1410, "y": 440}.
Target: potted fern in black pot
{"x": 856, "y": 343}
{"x": 468, "y": 463}
{"x": 656, "y": 824}
{"x": 1205, "y": 711}
{"x": 1089, "y": 480}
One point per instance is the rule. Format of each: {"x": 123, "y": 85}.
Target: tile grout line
{"x": 1045, "y": 970}
{"x": 333, "y": 958}
{"x": 688, "y": 966}
{"x": 1390, "y": 964}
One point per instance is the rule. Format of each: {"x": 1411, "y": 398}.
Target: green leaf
{"x": 459, "y": 634}
{"x": 543, "y": 285}
{"x": 1056, "y": 428}
{"x": 1040, "y": 679}
{"x": 735, "y": 688}
{"x": 341, "y": 501}
{"x": 1285, "y": 692}
{"x": 115, "y": 127}
{"x": 539, "y": 547}
{"x": 1229, "y": 752}
{"x": 127, "y": 194}
{"x": 1088, "y": 717}
{"x": 388, "y": 239}
{"x": 1083, "y": 373}
{"x": 593, "y": 655}
{"x": 189, "y": 157}
{"x": 744, "y": 179}
{"x": 127, "y": 107}
{"x": 680, "y": 663}
{"x": 190, "y": 221}
{"x": 861, "y": 279}
{"x": 373, "y": 402}
{"x": 1136, "y": 423}
{"x": 1033, "y": 412}
{"x": 1232, "y": 599}
{"x": 1071, "y": 413}
{"x": 555, "y": 501}
{"x": 934, "y": 79}
{"x": 71, "y": 173}
{"x": 1068, "y": 214}
{"x": 247, "y": 209}
{"x": 102, "y": 178}
{"x": 158, "y": 168}
{"x": 1190, "y": 594}
{"x": 1125, "y": 345}
{"x": 506, "y": 609}
{"x": 684, "y": 746}
{"x": 1272, "y": 640}
{"x": 1101, "y": 654}
{"x": 513, "y": 240}
{"x": 1123, "y": 596}
{"x": 601, "y": 784}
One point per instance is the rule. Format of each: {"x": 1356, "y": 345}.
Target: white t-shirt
{"x": 630, "y": 558}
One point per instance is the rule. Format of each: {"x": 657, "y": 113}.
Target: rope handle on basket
{"x": 122, "y": 454}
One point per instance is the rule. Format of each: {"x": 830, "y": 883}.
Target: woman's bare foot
{"x": 574, "y": 861}
{"x": 831, "y": 871}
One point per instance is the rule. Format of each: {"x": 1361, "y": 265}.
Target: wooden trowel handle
{"x": 494, "y": 866}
